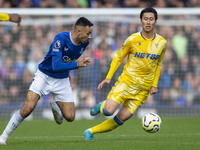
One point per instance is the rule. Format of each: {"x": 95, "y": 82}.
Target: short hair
{"x": 82, "y": 21}
{"x": 149, "y": 10}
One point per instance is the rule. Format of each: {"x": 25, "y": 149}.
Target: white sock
{"x": 14, "y": 122}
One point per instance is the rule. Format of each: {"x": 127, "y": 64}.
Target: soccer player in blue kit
{"x": 53, "y": 76}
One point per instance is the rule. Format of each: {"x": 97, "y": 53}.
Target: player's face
{"x": 148, "y": 22}
{"x": 84, "y": 34}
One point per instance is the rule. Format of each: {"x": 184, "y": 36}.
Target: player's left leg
{"x": 110, "y": 124}
{"x": 68, "y": 110}
{"x": 63, "y": 101}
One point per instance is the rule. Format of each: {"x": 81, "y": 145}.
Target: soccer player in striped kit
{"x": 145, "y": 51}
{"x": 53, "y": 76}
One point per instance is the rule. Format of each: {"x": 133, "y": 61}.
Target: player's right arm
{"x": 82, "y": 62}
{"x": 117, "y": 60}
{"x": 57, "y": 64}
{"x": 105, "y": 81}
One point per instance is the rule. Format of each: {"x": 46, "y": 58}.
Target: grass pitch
{"x": 175, "y": 134}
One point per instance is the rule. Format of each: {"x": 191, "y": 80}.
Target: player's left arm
{"x": 154, "y": 89}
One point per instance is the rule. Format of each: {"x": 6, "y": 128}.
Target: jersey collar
{"x": 148, "y": 39}
{"x": 70, "y": 35}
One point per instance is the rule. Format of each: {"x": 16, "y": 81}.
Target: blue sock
{"x": 106, "y": 113}
{"x": 118, "y": 120}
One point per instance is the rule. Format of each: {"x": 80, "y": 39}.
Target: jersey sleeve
{"x": 57, "y": 49}
{"x": 57, "y": 45}
{"x": 157, "y": 72}
{"x": 4, "y": 17}
{"x": 118, "y": 58}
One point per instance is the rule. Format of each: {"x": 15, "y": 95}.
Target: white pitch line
{"x": 136, "y": 135}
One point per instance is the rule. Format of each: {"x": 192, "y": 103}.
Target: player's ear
{"x": 77, "y": 29}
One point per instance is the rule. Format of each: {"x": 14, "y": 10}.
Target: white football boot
{"x": 2, "y": 140}
{"x": 58, "y": 117}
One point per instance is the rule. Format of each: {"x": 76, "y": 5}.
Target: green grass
{"x": 175, "y": 134}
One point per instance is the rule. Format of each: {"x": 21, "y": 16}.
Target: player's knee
{"x": 118, "y": 120}
{"x": 105, "y": 112}
{"x": 69, "y": 117}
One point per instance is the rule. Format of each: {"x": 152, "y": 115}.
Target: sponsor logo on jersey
{"x": 57, "y": 44}
{"x": 146, "y": 55}
{"x": 67, "y": 59}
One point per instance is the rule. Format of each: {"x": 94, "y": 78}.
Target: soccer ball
{"x": 151, "y": 122}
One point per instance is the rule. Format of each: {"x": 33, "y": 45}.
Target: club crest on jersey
{"x": 122, "y": 47}
{"x": 139, "y": 43}
{"x": 57, "y": 44}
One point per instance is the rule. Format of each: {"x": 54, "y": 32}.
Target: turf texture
{"x": 175, "y": 134}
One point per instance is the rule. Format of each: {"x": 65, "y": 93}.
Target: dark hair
{"x": 149, "y": 10}
{"x": 82, "y": 21}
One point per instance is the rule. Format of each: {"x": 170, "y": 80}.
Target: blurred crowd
{"x": 97, "y": 3}
{"x": 23, "y": 48}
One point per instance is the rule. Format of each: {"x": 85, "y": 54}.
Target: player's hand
{"x": 15, "y": 18}
{"x": 82, "y": 62}
{"x": 153, "y": 90}
{"x": 105, "y": 81}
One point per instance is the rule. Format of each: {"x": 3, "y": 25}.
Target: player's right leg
{"x": 38, "y": 88}
{"x": 19, "y": 116}
{"x": 109, "y": 106}
{"x": 96, "y": 109}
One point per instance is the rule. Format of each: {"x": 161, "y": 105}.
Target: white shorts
{"x": 59, "y": 88}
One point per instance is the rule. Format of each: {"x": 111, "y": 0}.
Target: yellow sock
{"x": 105, "y": 126}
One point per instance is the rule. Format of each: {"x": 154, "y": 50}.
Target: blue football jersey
{"x": 62, "y": 56}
